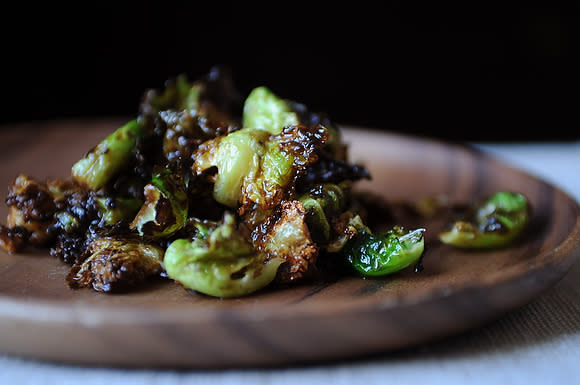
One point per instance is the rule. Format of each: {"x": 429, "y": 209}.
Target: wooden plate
{"x": 162, "y": 325}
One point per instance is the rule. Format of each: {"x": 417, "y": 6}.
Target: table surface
{"x": 537, "y": 343}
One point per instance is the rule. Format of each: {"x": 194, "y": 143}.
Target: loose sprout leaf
{"x": 386, "y": 252}
{"x": 493, "y": 223}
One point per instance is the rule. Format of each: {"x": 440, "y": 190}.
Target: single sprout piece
{"x": 256, "y": 167}
{"x": 116, "y": 264}
{"x": 286, "y": 156}
{"x": 266, "y": 111}
{"x": 237, "y": 157}
{"x": 386, "y": 252}
{"x": 493, "y": 223}
{"x": 31, "y": 206}
{"x": 284, "y": 234}
{"x": 166, "y": 206}
{"x": 219, "y": 262}
{"x": 104, "y": 161}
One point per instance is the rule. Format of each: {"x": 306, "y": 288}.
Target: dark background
{"x": 474, "y": 72}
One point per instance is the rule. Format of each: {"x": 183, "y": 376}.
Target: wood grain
{"x": 162, "y": 325}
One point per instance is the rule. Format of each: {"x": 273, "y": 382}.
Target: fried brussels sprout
{"x": 264, "y": 110}
{"x": 255, "y": 167}
{"x": 287, "y": 157}
{"x": 166, "y": 206}
{"x": 112, "y": 264}
{"x": 237, "y": 157}
{"x": 219, "y": 262}
{"x": 31, "y": 206}
{"x": 494, "y": 222}
{"x": 386, "y": 252}
{"x": 110, "y": 156}
{"x": 186, "y": 130}
{"x": 285, "y": 235}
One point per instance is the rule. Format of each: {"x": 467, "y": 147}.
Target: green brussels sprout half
{"x": 386, "y": 252}
{"x": 238, "y": 160}
{"x": 219, "y": 262}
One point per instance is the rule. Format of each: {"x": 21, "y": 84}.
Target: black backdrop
{"x": 474, "y": 72}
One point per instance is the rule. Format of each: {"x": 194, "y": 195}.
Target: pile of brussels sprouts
{"x": 224, "y": 195}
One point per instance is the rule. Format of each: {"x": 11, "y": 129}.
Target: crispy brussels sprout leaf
{"x": 266, "y": 111}
{"x": 103, "y": 162}
{"x": 494, "y": 223}
{"x": 166, "y": 206}
{"x": 220, "y": 262}
{"x": 384, "y": 253}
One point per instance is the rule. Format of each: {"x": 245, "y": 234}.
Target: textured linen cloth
{"x": 536, "y": 344}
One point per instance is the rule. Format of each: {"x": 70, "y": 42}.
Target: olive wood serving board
{"x": 163, "y": 325}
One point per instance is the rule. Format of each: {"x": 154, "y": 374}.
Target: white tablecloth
{"x": 537, "y": 344}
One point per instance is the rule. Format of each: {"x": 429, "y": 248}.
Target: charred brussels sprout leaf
{"x": 219, "y": 262}
{"x": 384, "y": 253}
{"x": 493, "y": 223}
{"x": 322, "y": 202}
{"x": 266, "y": 111}
{"x": 104, "y": 161}
{"x": 166, "y": 206}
